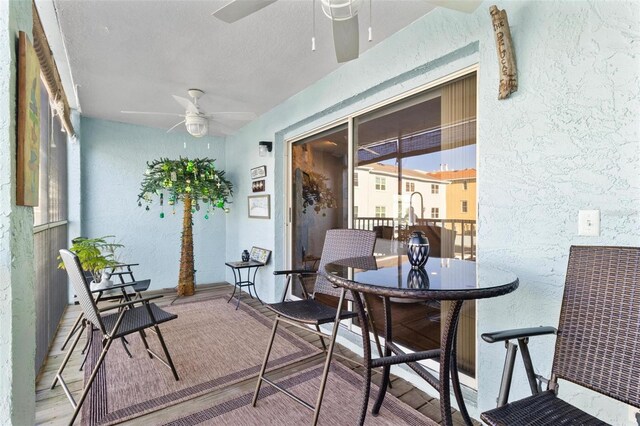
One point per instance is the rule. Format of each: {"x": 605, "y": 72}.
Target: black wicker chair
{"x": 128, "y": 320}
{"x": 597, "y": 343}
{"x": 128, "y": 288}
{"x": 338, "y": 244}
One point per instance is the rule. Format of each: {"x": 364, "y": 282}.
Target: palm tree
{"x": 193, "y": 182}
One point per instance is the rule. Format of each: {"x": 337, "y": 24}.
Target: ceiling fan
{"x": 197, "y": 121}
{"x": 343, "y": 15}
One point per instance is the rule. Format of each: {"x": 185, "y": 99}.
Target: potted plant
{"x": 95, "y": 255}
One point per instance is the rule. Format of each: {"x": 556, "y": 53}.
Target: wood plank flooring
{"x": 53, "y": 407}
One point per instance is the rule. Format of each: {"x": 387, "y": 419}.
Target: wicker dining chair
{"x": 133, "y": 316}
{"x": 597, "y": 344}
{"x": 338, "y": 244}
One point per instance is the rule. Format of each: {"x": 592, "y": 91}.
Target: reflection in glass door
{"x": 319, "y": 178}
{"x": 415, "y": 170}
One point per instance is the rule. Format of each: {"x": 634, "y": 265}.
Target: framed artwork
{"x": 259, "y": 206}
{"x": 259, "y": 172}
{"x": 257, "y": 185}
{"x": 260, "y": 255}
{"x": 28, "y": 144}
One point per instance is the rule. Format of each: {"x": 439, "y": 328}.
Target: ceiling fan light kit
{"x": 196, "y": 125}
{"x": 341, "y": 10}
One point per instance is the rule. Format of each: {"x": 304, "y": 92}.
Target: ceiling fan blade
{"x": 238, "y": 116}
{"x": 466, "y": 6}
{"x": 153, "y": 113}
{"x": 187, "y": 104}
{"x": 346, "y": 39}
{"x": 176, "y": 125}
{"x": 238, "y": 9}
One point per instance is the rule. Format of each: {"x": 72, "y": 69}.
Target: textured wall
{"x": 17, "y": 305}
{"x": 114, "y": 157}
{"x": 567, "y": 140}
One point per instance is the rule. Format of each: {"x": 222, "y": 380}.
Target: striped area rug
{"x": 212, "y": 346}
{"x": 340, "y": 406}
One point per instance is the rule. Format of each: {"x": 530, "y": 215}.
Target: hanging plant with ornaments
{"x": 199, "y": 186}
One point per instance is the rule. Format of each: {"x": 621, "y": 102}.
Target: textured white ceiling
{"x": 133, "y": 55}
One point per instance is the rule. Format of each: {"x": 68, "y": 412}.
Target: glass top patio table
{"x": 441, "y": 279}
{"x": 393, "y": 278}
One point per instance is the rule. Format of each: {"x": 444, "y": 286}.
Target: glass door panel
{"x": 415, "y": 170}
{"x": 319, "y": 179}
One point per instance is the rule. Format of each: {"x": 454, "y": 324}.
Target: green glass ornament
{"x": 206, "y": 216}
{"x": 220, "y": 204}
{"x": 190, "y": 166}
{"x": 162, "y": 215}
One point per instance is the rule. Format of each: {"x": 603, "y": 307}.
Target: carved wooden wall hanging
{"x": 506, "y": 56}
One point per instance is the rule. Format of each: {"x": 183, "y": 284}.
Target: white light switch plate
{"x": 589, "y": 223}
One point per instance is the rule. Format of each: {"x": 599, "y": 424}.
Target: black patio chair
{"x": 128, "y": 320}
{"x": 597, "y": 343}
{"x": 338, "y": 244}
{"x": 132, "y": 289}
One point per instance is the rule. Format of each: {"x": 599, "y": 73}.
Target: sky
{"x": 456, "y": 159}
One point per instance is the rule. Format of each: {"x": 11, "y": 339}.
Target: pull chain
{"x": 313, "y": 37}
{"x": 370, "y": 22}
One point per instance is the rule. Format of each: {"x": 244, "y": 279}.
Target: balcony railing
{"x": 388, "y": 228}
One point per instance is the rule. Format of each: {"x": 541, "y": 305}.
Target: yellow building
{"x": 461, "y": 193}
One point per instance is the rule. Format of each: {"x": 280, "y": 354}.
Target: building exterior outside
{"x": 376, "y": 193}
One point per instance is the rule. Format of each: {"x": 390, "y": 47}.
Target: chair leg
{"x": 73, "y": 330}
{"x": 324, "y": 346}
{"x": 166, "y": 352}
{"x": 146, "y": 345}
{"x": 89, "y": 339}
{"x": 124, "y": 345}
{"x": 87, "y": 387}
{"x": 66, "y": 359}
{"x": 265, "y": 361}
{"x": 327, "y": 362}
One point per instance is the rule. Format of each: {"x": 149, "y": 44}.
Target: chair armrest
{"x": 117, "y": 286}
{"x": 121, "y": 273}
{"x": 295, "y": 271}
{"x": 122, "y": 265}
{"x": 518, "y": 333}
{"x": 144, "y": 300}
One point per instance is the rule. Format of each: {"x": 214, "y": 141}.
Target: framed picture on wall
{"x": 259, "y": 206}
{"x": 259, "y": 172}
{"x": 257, "y": 185}
{"x": 28, "y": 158}
{"x": 260, "y": 255}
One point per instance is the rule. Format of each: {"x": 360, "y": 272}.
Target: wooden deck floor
{"x": 53, "y": 408}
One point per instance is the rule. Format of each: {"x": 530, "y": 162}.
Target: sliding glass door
{"x": 413, "y": 169}
{"x": 319, "y": 177}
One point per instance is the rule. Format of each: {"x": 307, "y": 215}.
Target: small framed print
{"x": 260, "y": 255}
{"x": 259, "y": 206}
{"x": 259, "y": 172}
{"x": 257, "y": 186}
